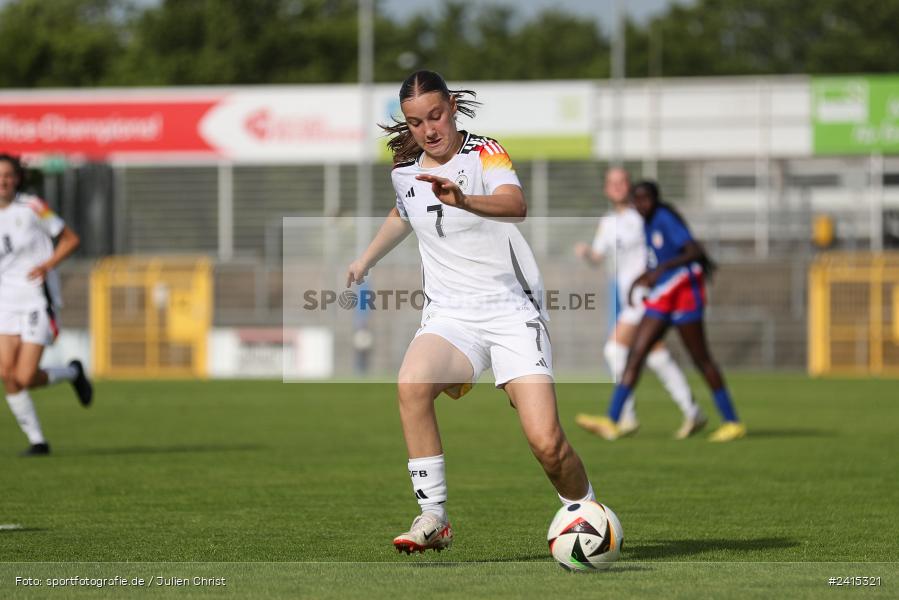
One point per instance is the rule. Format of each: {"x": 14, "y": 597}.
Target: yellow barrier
{"x": 853, "y": 313}
{"x": 150, "y": 316}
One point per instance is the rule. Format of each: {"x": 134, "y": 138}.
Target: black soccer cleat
{"x": 42, "y": 449}
{"x": 82, "y": 384}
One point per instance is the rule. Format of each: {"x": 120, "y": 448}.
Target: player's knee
{"x": 414, "y": 374}
{"x": 414, "y": 392}
{"x": 8, "y": 374}
{"x": 22, "y": 379}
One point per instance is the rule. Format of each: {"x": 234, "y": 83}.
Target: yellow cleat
{"x": 728, "y": 432}
{"x": 601, "y": 426}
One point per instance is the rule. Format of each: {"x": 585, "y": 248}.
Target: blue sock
{"x": 724, "y": 404}
{"x": 616, "y": 405}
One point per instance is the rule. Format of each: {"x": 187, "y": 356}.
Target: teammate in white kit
{"x": 459, "y": 193}
{"x": 29, "y": 296}
{"x": 620, "y": 240}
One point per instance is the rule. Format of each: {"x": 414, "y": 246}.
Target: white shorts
{"x": 37, "y": 326}
{"x": 513, "y": 347}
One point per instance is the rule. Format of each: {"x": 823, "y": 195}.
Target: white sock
{"x": 671, "y": 376}
{"x": 23, "y": 409}
{"x": 616, "y": 357}
{"x": 429, "y": 484}
{"x": 629, "y": 410}
{"x": 590, "y": 496}
{"x": 56, "y": 374}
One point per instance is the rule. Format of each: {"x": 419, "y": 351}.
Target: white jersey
{"x": 27, "y": 230}
{"x": 474, "y": 268}
{"x": 621, "y": 240}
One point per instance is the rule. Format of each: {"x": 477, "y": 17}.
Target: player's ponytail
{"x": 401, "y": 143}
{"x": 652, "y": 188}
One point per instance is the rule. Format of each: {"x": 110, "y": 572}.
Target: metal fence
{"x": 234, "y": 211}
{"x": 234, "y": 214}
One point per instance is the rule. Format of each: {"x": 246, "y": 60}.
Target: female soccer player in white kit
{"x": 458, "y": 192}
{"x": 29, "y": 295}
{"x": 620, "y": 238}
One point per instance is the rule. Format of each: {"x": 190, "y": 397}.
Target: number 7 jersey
{"x": 474, "y": 268}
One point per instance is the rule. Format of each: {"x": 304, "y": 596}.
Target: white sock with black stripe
{"x": 429, "y": 484}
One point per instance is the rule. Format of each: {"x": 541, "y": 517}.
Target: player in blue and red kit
{"x": 676, "y": 270}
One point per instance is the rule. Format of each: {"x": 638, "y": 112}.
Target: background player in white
{"x": 620, "y": 241}
{"x": 29, "y": 296}
{"x": 457, "y": 192}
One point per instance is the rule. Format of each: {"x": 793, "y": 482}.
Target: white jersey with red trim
{"x": 27, "y": 229}
{"x": 474, "y": 268}
{"x": 622, "y": 242}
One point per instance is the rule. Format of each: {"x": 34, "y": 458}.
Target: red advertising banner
{"x": 100, "y": 129}
{"x": 247, "y": 125}
{"x": 278, "y": 124}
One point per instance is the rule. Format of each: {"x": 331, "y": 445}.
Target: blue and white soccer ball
{"x": 585, "y": 537}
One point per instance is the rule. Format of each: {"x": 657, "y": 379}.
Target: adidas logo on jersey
{"x": 477, "y": 142}
{"x": 541, "y": 363}
{"x": 410, "y": 193}
{"x": 471, "y": 142}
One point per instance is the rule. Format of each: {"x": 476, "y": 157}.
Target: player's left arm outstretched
{"x": 507, "y": 201}
{"x": 603, "y": 243}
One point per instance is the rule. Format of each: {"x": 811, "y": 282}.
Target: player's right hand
{"x": 356, "y": 272}
{"x": 445, "y": 190}
{"x": 581, "y": 250}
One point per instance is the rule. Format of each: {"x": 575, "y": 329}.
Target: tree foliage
{"x": 71, "y": 43}
{"x": 727, "y": 37}
{"x": 60, "y": 43}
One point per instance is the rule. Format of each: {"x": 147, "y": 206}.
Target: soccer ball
{"x": 585, "y": 537}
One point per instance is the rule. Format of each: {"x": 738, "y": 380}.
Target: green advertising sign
{"x": 855, "y": 115}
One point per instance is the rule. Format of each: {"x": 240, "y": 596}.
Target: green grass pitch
{"x": 295, "y": 490}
